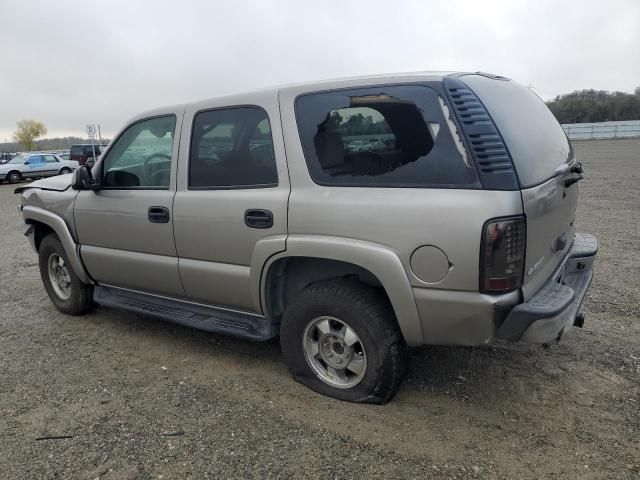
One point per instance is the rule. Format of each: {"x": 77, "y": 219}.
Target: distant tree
{"x": 27, "y": 132}
{"x": 596, "y": 106}
{"x": 333, "y": 121}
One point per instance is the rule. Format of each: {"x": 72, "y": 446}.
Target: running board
{"x": 202, "y": 317}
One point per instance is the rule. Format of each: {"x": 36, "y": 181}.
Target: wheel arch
{"x": 310, "y": 259}
{"x": 14, "y": 171}
{"x": 45, "y": 222}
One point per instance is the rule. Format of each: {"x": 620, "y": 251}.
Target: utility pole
{"x": 99, "y": 138}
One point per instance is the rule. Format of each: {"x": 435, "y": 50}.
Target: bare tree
{"x": 28, "y": 131}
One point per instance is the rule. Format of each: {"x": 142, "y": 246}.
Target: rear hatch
{"x": 546, "y": 169}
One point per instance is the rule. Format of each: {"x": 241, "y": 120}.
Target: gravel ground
{"x": 144, "y": 399}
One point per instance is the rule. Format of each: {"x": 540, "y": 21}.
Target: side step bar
{"x": 211, "y": 319}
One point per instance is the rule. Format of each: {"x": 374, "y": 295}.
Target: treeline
{"x": 584, "y": 106}
{"x": 357, "y": 124}
{"x": 63, "y": 143}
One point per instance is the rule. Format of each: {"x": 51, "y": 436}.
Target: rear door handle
{"x": 257, "y": 218}
{"x": 158, "y": 214}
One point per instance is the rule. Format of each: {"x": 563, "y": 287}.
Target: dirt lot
{"x": 118, "y": 383}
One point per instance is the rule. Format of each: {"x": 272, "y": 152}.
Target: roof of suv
{"x": 302, "y": 87}
{"x": 313, "y": 85}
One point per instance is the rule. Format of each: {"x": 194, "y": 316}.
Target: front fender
{"x": 380, "y": 261}
{"x": 58, "y": 225}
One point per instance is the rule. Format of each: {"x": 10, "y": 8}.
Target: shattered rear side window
{"x": 390, "y": 136}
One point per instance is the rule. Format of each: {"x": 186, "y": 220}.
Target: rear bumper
{"x": 555, "y": 306}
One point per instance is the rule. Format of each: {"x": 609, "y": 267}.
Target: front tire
{"x": 65, "y": 290}
{"x": 340, "y": 338}
{"x": 14, "y": 177}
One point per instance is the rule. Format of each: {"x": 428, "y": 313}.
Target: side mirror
{"x": 83, "y": 179}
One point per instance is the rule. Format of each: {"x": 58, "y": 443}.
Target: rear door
{"x": 230, "y": 210}
{"x": 546, "y": 169}
{"x": 53, "y": 166}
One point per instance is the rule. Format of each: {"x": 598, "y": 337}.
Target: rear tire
{"x": 340, "y": 338}
{"x": 64, "y": 171}
{"x": 65, "y": 290}
{"x": 14, "y": 177}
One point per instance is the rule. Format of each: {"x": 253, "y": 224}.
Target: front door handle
{"x": 158, "y": 214}
{"x": 257, "y": 218}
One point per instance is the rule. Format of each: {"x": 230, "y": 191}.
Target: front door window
{"x": 141, "y": 156}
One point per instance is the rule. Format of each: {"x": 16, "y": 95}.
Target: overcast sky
{"x": 69, "y": 63}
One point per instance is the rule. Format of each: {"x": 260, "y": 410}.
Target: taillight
{"x": 502, "y": 254}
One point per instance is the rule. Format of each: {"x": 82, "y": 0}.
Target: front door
{"x": 36, "y": 167}
{"x": 125, "y": 228}
{"x": 230, "y": 210}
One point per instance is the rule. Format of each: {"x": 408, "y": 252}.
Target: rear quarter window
{"x": 388, "y": 136}
{"x": 536, "y": 141}
{"x": 75, "y": 150}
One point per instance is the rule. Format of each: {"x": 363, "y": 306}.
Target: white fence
{"x": 588, "y": 131}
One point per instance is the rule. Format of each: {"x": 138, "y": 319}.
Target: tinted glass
{"x": 141, "y": 156}
{"x": 535, "y": 139}
{"x": 232, "y": 148}
{"x": 76, "y": 150}
{"x": 393, "y": 136}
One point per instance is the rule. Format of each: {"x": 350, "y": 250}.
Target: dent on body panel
{"x": 542, "y": 199}
{"x": 59, "y": 203}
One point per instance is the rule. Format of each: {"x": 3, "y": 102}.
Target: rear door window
{"x": 390, "y": 136}
{"x": 232, "y": 148}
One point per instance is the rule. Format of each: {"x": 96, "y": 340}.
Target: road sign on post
{"x": 91, "y": 131}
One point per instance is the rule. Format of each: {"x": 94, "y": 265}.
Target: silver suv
{"x": 262, "y": 214}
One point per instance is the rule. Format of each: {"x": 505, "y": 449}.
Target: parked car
{"x": 456, "y": 238}
{"x": 35, "y": 165}
{"x": 5, "y": 157}
{"x": 84, "y": 153}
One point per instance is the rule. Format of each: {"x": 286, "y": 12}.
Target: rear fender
{"x": 383, "y": 263}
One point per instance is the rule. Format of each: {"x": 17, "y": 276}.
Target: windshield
{"x": 18, "y": 159}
